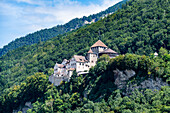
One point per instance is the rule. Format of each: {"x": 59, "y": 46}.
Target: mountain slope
{"x": 140, "y": 27}
{"x": 102, "y": 90}
{"x": 97, "y": 91}
{"x": 46, "y": 34}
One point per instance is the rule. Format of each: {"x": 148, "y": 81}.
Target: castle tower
{"x": 92, "y": 58}
{"x": 98, "y": 47}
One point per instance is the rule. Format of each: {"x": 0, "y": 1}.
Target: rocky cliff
{"x": 128, "y": 81}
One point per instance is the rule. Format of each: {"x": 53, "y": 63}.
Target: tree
{"x": 162, "y": 52}
{"x": 104, "y": 57}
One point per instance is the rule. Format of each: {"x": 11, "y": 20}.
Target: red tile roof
{"x": 109, "y": 51}
{"x": 65, "y": 60}
{"x": 71, "y": 69}
{"x": 99, "y": 43}
{"x": 79, "y": 58}
{"x": 60, "y": 65}
{"x": 90, "y": 51}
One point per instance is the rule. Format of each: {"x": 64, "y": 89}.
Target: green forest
{"x": 137, "y": 30}
{"x": 129, "y": 30}
{"x": 102, "y": 93}
{"x": 45, "y": 34}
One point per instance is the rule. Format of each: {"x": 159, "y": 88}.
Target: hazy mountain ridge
{"x": 46, "y": 34}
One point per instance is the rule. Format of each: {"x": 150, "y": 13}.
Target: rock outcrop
{"x": 122, "y": 81}
{"x": 24, "y": 109}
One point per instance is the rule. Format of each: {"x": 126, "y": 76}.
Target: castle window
{"x": 91, "y": 61}
{"x": 80, "y": 63}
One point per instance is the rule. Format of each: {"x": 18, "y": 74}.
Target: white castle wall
{"x": 81, "y": 66}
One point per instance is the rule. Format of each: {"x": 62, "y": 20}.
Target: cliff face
{"x": 126, "y": 81}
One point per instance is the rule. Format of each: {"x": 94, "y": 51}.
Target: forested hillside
{"x": 46, "y": 34}
{"x": 97, "y": 91}
{"x": 140, "y": 27}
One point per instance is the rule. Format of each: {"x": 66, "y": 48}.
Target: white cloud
{"x": 33, "y": 2}
{"x": 9, "y": 10}
{"x": 58, "y": 11}
{"x": 26, "y": 1}
{"x": 62, "y": 10}
{"x": 110, "y": 2}
{"x": 39, "y": 14}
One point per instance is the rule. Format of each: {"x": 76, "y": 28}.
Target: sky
{"x": 21, "y": 17}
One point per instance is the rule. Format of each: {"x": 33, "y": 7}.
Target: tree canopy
{"x": 141, "y": 28}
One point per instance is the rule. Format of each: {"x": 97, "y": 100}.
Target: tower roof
{"x": 109, "y": 51}
{"x": 99, "y": 43}
{"x": 90, "y": 51}
{"x": 60, "y": 65}
{"x": 79, "y": 58}
{"x": 71, "y": 69}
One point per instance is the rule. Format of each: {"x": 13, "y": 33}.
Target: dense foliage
{"x": 140, "y": 27}
{"x": 33, "y": 87}
{"x": 46, "y": 34}
{"x": 96, "y": 91}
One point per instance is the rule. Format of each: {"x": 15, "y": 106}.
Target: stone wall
{"x": 57, "y": 80}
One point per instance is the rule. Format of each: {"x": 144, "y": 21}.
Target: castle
{"x": 81, "y": 64}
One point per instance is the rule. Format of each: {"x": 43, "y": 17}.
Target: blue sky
{"x": 21, "y": 17}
